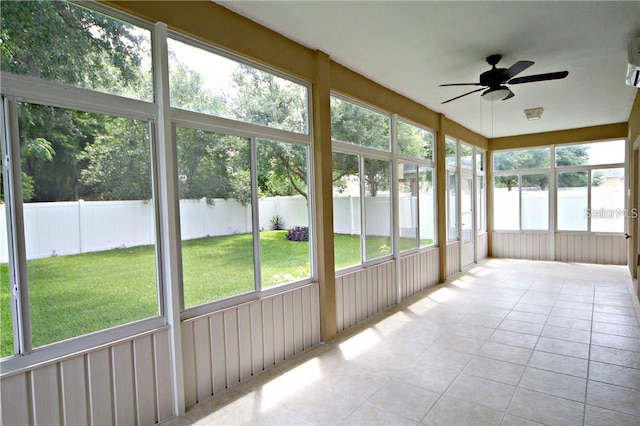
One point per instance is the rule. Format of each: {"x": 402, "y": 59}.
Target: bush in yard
{"x": 298, "y": 233}
{"x": 277, "y": 223}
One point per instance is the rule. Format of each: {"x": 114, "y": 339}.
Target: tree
{"x": 117, "y": 163}
{"x": 43, "y": 39}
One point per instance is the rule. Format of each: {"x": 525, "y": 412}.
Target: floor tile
{"x": 507, "y": 353}
{"x": 615, "y": 319}
{"x": 546, "y": 409}
{"x": 404, "y": 400}
{"x": 571, "y": 313}
{"x": 596, "y": 416}
{"x": 618, "y": 342}
{"x": 616, "y": 356}
{"x": 579, "y": 336}
{"x": 481, "y": 391}
{"x": 559, "y": 363}
{"x": 498, "y": 371}
{"x": 617, "y": 329}
{"x": 527, "y": 341}
{"x": 521, "y": 327}
{"x": 616, "y": 398}
{"x": 614, "y": 375}
{"x": 450, "y": 411}
{"x": 570, "y": 323}
{"x": 511, "y": 420}
{"x": 369, "y": 415}
{"x": 556, "y": 384}
{"x": 534, "y": 309}
{"x": 617, "y": 310}
{"x": 527, "y": 317}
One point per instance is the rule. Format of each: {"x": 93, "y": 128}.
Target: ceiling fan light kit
{"x": 494, "y": 81}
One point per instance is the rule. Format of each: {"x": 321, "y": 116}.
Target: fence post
{"x": 80, "y": 206}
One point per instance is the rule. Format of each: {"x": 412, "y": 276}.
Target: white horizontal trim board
{"x": 418, "y": 272}
{"x": 453, "y": 258}
{"x": 364, "y": 293}
{"x": 226, "y": 347}
{"x": 568, "y": 247}
{"x": 521, "y": 245}
{"x": 126, "y": 383}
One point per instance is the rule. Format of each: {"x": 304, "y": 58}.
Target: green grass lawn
{"x": 74, "y": 295}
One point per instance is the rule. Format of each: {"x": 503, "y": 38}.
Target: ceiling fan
{"x": 493, "y": 81}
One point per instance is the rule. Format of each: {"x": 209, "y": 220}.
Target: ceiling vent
{"x": 533, "y": 113}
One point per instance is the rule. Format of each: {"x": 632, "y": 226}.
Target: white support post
{"x": 168, "y": 214}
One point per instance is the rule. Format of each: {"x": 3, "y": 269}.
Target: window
{"x": 210, "y": 83}
{"x": 481, "y": 196}
{"x": 521, "y": 189}
{"x": 589, "y": 154}
{"x": 357, "y": 125}
{"x": 361, "y": 183}
{"x": 91, "y": 172}
{"x": 215, "y": 215}
{"x": 415, "y": 142}
{"x": 506, "y": 202}
{"x": 591, "y": 195}
{"x": 452, "y": 205}
{"x": 426, "y": 202}
{"x": 588, "y": 186}
{"x": 377, "y": 208}
{"x": 90, "y": 175}
{"x": 39, "y": 41}
{"x": 466, "y": 156}
{"x": 346, "y": 210}
{"x": 415, "y": 185}
{"x": 450, "y": 149}
{"x": 283, "y": 204}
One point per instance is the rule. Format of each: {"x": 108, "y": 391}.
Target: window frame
{"x": 161, "y": 118}
{"x": 419, "y": 163}
{"x": 553, "y": 171}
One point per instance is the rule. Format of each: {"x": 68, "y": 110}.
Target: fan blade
{"x": 517, "y": 68}
{"x": 509, "y": 96}
{"x": 539, "y": 77}
{"x": 468, "y": 93}
{"x": 461, "y": 84}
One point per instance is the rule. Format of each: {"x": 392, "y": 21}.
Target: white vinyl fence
{"x": 64, "y": 228}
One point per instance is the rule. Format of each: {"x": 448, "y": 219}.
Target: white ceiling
{"x": 412, "y": 47}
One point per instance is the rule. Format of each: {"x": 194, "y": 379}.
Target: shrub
{"x": 298, "y": 233}
{"x": 277, "y": 223}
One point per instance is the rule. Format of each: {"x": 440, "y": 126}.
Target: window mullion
{"x": 255, "y": 213}
{"x": 15, "y": 227}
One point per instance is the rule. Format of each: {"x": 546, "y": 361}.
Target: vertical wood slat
{"x": 74, "y": 391}
{"x": 218, "y": 352}
{"x": 162, "y": 374}
{"x": 15, "y": 394}
{"x": 244, "y": 341}
{"x": 289, "y": 350}
{"x": 232, "y": 357}
{"x": 145, "y": 386}
{"x": 257, "y": 339}
{"x": 202, "y": 354}
{"x": 45, "y": 395}
{"x": 100, "y": 387}
{"x": 278, "y": 328}
{"x": 189, "y": 364}
{"x": 298, "y": 321}
{"x": 123, "y": 383}
{"x": 267, "y": 331}
{"x": 339, "y": 303}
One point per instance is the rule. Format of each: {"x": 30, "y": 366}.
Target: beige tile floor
{"x": 508, "y": 342}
